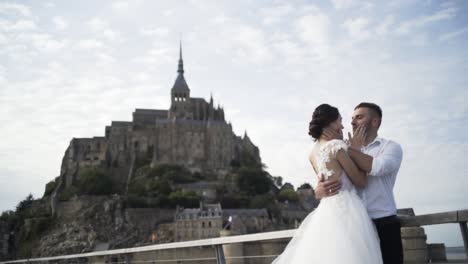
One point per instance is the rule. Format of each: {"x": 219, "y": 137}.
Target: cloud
{"x": 102, "y": 29}
{"x": 400, "y": 4}
{"x": 313, "y": 30}
{"x": 358, "y": 28}
{"x": 90, "y": 44}
{"x": 119, "y": 5}
{"x": 419, "y": 40}
{"x": 249, "y": 44}
{"x": 2, "y": 75}
{"x": 275, "y": 13}
{"x": 97, "y": 24}
{"x": 49, "y": 4}
{"x": 383, "y": 28}
{"x": 20, "y": 25}
{"x": 220, "y": 19}
{"x": 105, "y": 59}
{"x": 154, "y": 31}
{"x": 343, "y": 4}
{"x": 3, "y": 39}
{"x": 453, "y": 34}
{"x": 8, "y": 8}
{"x": 112, "y": 35}
{"x": 60, "y": 23}
{"x": 406, "y": 27}
{"x": 156, "y": 55}
{"x": 44, "y": 42}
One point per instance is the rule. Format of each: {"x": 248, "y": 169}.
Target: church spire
{"x": 180, "y": 84}
{"x": 180, "y": 70}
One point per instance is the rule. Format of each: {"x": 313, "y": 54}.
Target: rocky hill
{"x": 127, "y": 188}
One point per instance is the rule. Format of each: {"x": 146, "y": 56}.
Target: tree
{"x": 160, "y": 186}
{"x": 185, "y": 199}
{"x": 304, "y": 186}
{"x": 278, "y": 181}
{"x": 287, "y": 186}
{"x": 50, "y": 187}
{"x": 248, "y": 159}
{"x": 25, "y": 204}
{"x": 9, "y": 217}
{"x": 288, "y": 195}
{"x": 94, "y": 182}
{"x": 262, "y": 201}
{"x": 238, "y": 200}
{"x": 175, "y": 173}
{"x": 253, "y": 181}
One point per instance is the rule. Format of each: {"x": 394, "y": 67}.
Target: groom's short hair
{"x": 375, "y": 109}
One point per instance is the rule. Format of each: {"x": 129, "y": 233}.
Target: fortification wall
{"x": 149, "y": 217}
{"x": 195, "y": 144}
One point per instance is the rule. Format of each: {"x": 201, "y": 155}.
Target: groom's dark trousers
{"x": 389, "y": 232}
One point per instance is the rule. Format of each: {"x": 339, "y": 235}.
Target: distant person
{"x": 381, "y": 159}
{"x": 339, "y": 230}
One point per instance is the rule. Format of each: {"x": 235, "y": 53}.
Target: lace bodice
{"x": 328, "y": 150}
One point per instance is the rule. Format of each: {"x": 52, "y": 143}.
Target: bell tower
{"x": 180, "y": 92}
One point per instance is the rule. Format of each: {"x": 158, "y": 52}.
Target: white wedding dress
{"x": 339, "y": 230}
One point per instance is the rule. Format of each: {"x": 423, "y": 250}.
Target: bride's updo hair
{"x": 323, "y": 115}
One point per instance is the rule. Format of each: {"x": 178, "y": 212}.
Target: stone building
{"x": 192, "y": 133}
{"x": 307, "y": 199}
{"x": 248, "y": 221}
{"x": 198, "y": 223}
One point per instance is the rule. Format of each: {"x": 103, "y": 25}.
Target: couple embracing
{"x": 356, "y": 220}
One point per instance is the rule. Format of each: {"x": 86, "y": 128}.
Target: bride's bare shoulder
{"x": 314, "y": 151}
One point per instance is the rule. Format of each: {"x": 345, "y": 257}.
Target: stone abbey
{"x": 192, "y": 133}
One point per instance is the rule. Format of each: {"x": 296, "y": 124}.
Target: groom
{"x": 381, "y": 159}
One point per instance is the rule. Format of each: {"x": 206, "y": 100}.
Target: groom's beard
{"x": 368, "y": 127}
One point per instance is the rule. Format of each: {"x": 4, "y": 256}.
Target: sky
{"x": 69, "y": 68}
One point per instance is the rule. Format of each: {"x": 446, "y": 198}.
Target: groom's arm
{"x": 388, "y": 161}
{"x": 363, "y": 161}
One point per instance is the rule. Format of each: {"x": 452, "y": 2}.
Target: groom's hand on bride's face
{"x": 327, "y": 188}
{"x": 358, "y": 139}
{"x": 330, "y": 134}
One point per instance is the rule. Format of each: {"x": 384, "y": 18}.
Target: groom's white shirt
{"x": 378, "y": 194}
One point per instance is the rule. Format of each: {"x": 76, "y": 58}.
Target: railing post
{"x": 220, "y": 254}
{"x": 464, "y": 231}
{"x": 127, "y": 259}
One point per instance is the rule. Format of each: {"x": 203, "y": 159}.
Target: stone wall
{"x": 148, "y": 218}
{"x": 4, "y": 240}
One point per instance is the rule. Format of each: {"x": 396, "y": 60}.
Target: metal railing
{"x": 217, "y": 243}
{"x": 460, "y": 217}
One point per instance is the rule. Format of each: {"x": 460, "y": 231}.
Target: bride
{"x": 339, "y": 229}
